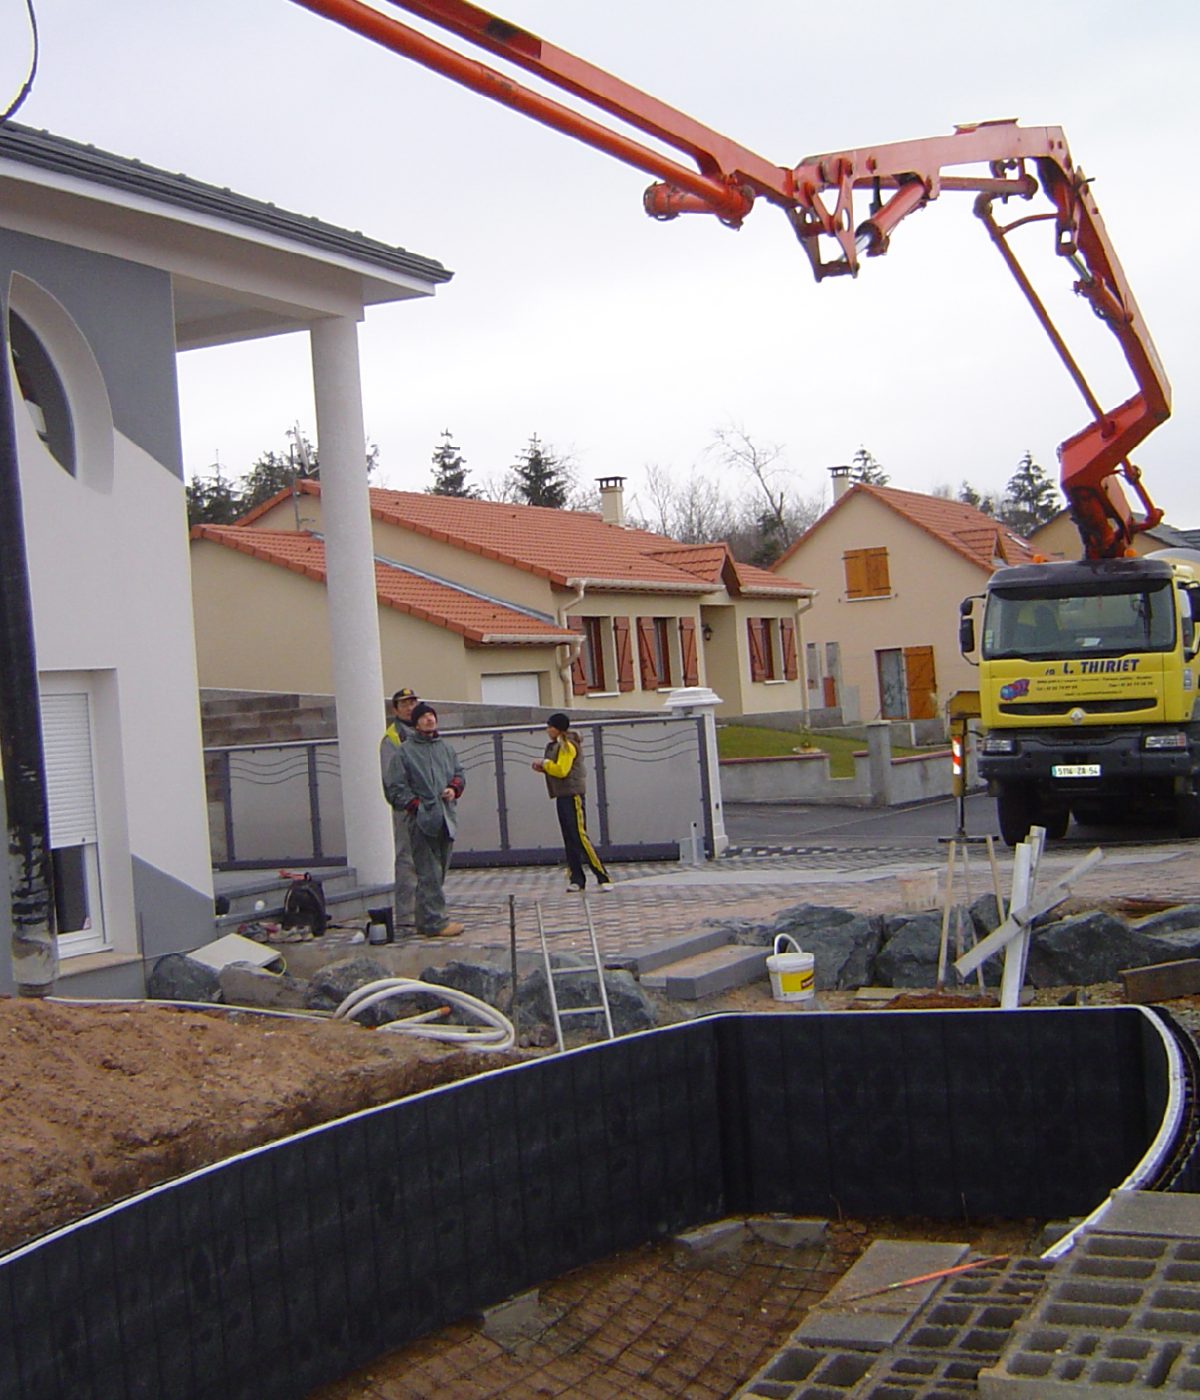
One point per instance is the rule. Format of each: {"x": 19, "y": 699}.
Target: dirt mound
{"x": 100, "y": 1102}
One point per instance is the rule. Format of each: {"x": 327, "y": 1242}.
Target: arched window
{"x": 42, "y": 389}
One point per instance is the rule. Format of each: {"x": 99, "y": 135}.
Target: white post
{"x": 353, "y": 606}
{"x": 699, "y": 700}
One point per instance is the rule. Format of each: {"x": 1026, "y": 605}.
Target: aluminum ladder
{"x": 596, "y": 969}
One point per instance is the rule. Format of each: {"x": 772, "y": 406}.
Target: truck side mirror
{"x": 966, "y": 626}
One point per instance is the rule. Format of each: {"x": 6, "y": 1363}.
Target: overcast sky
{"x": 625, "y": 342}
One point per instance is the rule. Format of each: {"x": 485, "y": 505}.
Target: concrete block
{"x": 713, "y": 972}
{"x": 650, "y": 960}
{"x": 1175, "y": 1214}
{"x": 521, "y": 1318}
{"x": 719, "y": 1237}
{"x": 1161, "y": 981}
{"x": 787, "y": 1231}
{"x": 847, "y": 1318}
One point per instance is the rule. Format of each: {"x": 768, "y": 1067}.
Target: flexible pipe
{"x": 497, "y": 1033}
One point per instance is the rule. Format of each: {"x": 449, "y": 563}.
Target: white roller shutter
{"x": 67, "y": 739}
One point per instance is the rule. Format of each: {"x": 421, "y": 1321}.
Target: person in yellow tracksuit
{"x": 566, "y": 781}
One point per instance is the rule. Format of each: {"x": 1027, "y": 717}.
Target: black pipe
{"x": 31, "y": 891}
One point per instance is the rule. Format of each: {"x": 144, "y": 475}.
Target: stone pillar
{"x": 353, "y": 607}
{"x": 879, "y": 761}
{"x": 701, "y": 702}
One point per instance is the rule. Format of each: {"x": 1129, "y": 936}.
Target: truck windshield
{"x": 1109, "y": 623}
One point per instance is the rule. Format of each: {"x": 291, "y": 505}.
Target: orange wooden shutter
{"x": 579, "y": 685}
{"x": 787, "y": 635}
{"x": 878, "y": 580}
{"x": 624, "y": 654}
{"x": 758, "y": 664}
{"x": 856, "y": 573}
{"x": 921, "y": 682}
{"x": 647, "y": 665}
{"x": 687, "y": 649}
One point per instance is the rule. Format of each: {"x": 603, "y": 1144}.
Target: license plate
{"x": 1075, "y": 770}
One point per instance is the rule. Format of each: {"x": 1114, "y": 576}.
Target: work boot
{"x": 451, "y": 930}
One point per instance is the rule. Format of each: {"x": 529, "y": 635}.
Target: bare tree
{"x": 780, "y": 516}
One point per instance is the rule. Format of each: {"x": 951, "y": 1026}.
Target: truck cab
{"x": 1088, "y": 688}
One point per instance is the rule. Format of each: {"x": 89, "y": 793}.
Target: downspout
{"x": 573, "y": 648}
{"x": 22, "y": 759}
{"x": 804, "y": 605}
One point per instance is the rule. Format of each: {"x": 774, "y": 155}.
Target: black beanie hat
{"x": 424, "y": 708}
{"x": 559, "y": 721}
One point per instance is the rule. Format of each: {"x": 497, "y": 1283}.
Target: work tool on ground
{"x": 595, "y": 969}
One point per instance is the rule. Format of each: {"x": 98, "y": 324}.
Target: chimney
{"x": 612, "y": 499}
{"x": 841, "y": 481}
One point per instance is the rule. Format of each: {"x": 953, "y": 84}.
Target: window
{"x": 604, "y": 655}
{"x": 42, "y": 390}
{"x": 813, "y": 665}
{"x": 74, "y": 833}
{"x": 760, "y": 633}
{"x": 654, "y": 652}
{"x": 867, "y": 573}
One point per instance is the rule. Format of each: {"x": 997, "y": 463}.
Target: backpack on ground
{"x": 304, "y": 905}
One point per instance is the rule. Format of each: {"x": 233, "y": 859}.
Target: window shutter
{"x": 758, "y": 665}
{"x": 579, "y": 685}
{"x": 921, "y": 682}
{"x": 624, "y": 653}
{"x": 687, "y": 649}
{"x": 647, "y": 664}
{"x": 856, "y": 573}
{"x": 878, "y": 580}
{"x": 787, "y": 635}
{"x": 70, "y": 789}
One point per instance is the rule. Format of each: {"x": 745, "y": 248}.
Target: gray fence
{"x": 649, "y": 793}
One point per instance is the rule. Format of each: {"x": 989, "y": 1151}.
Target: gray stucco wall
{"x": 125, "y": 313}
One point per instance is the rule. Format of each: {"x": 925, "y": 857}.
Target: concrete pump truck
{"x": 1087, "y": 669}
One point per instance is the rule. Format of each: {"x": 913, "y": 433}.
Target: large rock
{"x": 485, "y": 981}
{"x": 1088, "y": 948}
{"x": 912, "y": 943}
{"x": 177, "y": 977}
{"x": 802, "y": 921}
{"x": 1180, "y": 919}
{"x": 330, "y": 985}
{"x": 843, "y": 944}
{"x": 628, "y": 1005}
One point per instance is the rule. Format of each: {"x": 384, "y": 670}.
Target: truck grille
{"x": 1090, "y": 707}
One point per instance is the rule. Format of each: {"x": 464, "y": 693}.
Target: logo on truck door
{"x": 1015, "y": 689}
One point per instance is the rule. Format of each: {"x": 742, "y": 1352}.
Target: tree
{"x": 1030, "y": 498}
{"x": 866, "y": 471}
{"x": 449, "y": 470}
{"x": 764, "y": 531}
{"x": 987, "y": 503}
{"x": 539, "y": 476}
{"x": 213, "y": 499}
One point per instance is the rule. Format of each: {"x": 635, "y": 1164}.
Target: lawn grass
{"x": 750, "y": 741}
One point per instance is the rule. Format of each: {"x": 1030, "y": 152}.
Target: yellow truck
{"x": 1088, "y": 680}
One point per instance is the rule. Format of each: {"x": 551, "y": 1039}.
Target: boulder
{"x": 985, "y": 915}
{"x": 1181, "y": 918}
{"x": 177, "y": 977}
{"x": 1087, "y": 948}
{"x": 843, "y": 953}
{"x": 330, "y": 985}
{"x": 629, "y": 1006}
{"x": 485, "y": 981}
{"x": 802, "y": 921}
{"x": 912, "y": 942}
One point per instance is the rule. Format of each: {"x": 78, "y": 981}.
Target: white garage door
{"x": 520, "y": 688}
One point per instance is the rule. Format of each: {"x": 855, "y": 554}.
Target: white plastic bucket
{"x": 791, "y": 973}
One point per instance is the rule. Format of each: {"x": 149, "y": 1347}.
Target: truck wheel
{"x": 1055, "y": 820}
{"x": 1014, "y": 812}
{"x": 1187, "y": 814}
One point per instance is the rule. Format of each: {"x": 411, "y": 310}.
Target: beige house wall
{"x": 260, "y": 627}
{"x": 927, "y": 582}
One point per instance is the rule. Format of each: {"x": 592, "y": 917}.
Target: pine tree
{"x": 540, "y": 477}
{"x": 866, "y": 470}
{"x": 1030, "y": 498}
{"x": 449, "y": 470}
{"x": 213, "y": 499}
{"x": 988, "y": 503}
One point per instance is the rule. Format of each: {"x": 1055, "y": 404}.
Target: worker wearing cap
{"x": 401, "y": 728}
{"x": 566, "y": 782}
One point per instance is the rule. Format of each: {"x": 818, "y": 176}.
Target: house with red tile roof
{"x": 890, "y": 568}
{"x": 488, "y": 601}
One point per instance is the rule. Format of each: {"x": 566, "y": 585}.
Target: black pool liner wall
{"x": 277, "y": 1271}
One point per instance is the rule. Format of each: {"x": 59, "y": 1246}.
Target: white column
{"x": 700, "y": 700}
{"x": 353, "y": 608}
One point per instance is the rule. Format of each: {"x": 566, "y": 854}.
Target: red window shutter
{"x": 787, "y": 635}
{"x": 579, "y": 685}
{"x": 647, "y": 664}
{"x": 758, "y": 664}
{"x": 687, "y": 649}
{"x": 624, "y": 653}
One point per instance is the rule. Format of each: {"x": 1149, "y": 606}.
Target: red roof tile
{"x": 476, "y": 618}
{"x": 561, "y": 545}
{"x": 967, "y": 531}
